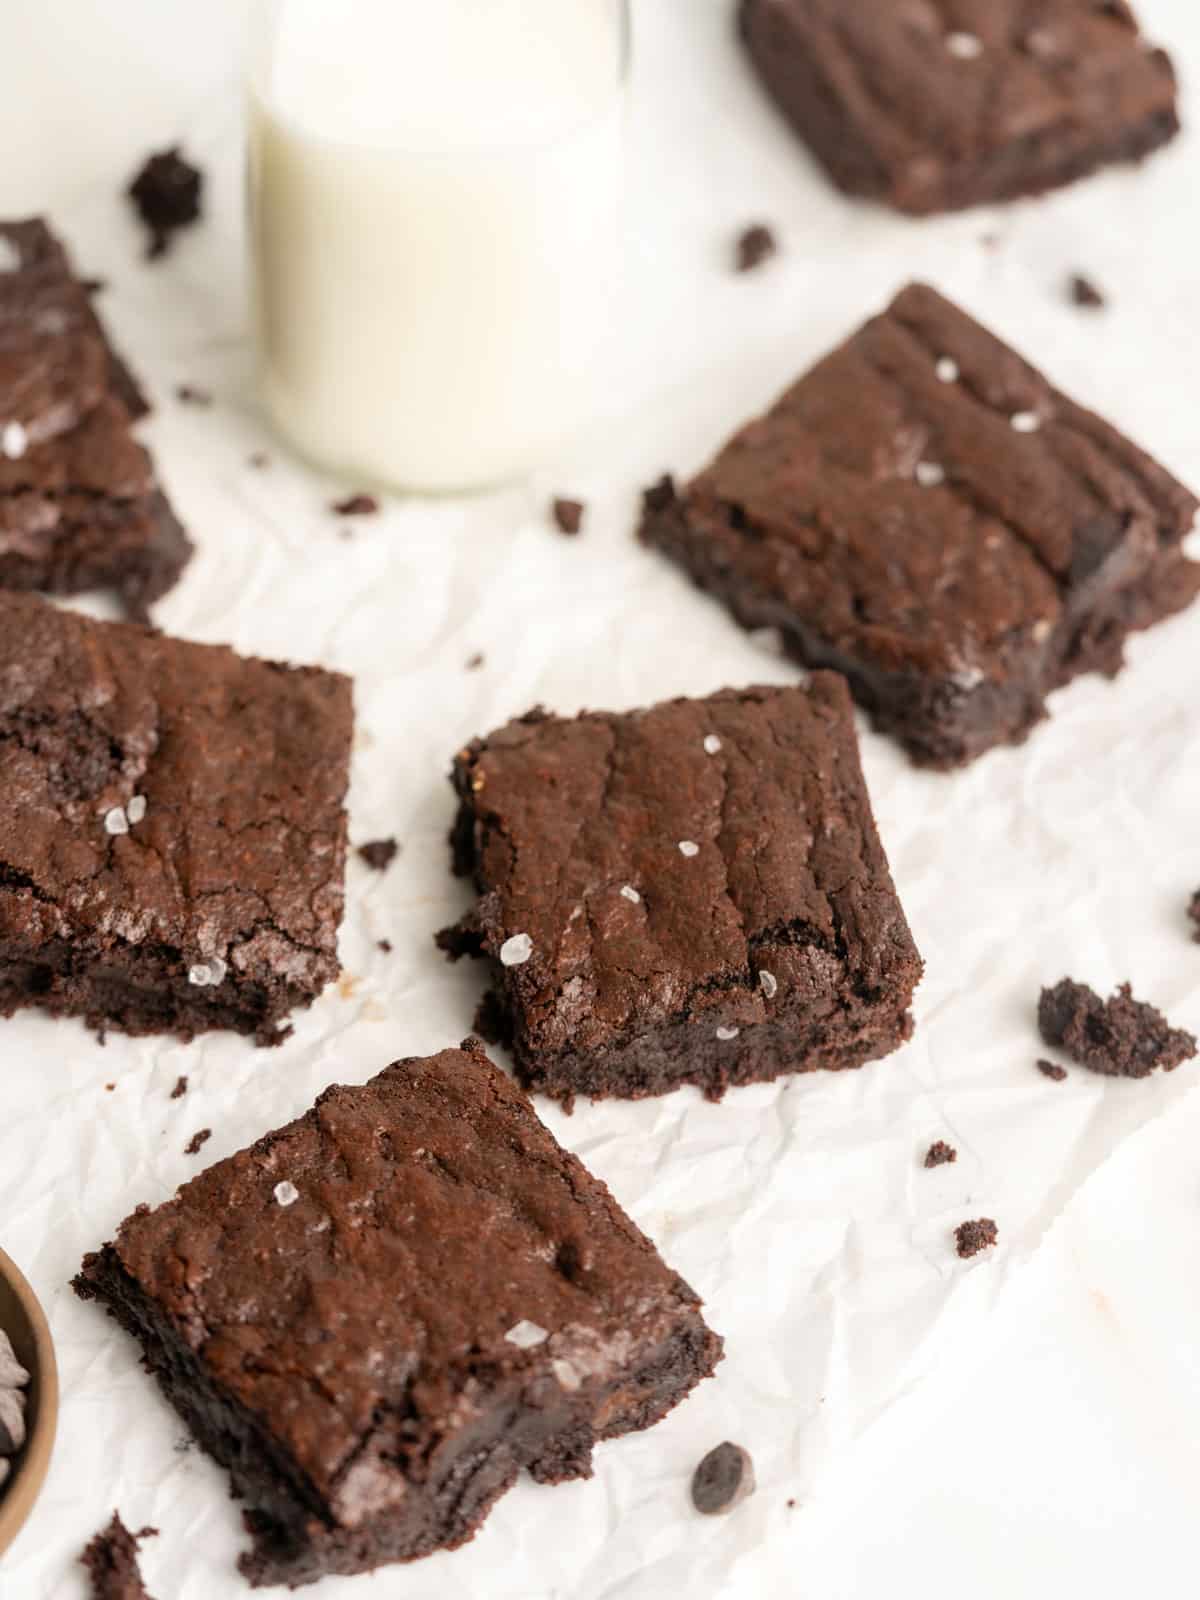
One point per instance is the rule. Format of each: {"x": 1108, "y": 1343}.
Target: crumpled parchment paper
{"x": 1022, "y": 1424}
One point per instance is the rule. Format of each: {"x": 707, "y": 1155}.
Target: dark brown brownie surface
{"x": 172, "y": 838}
{"x": 690, "y": 894}
{"x": 933, "y": 105}
{"x": 79, "y": 504}
{"x": 378, "y": 1315}
{"x": 925, "y": 512}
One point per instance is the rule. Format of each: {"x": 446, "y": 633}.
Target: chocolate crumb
{"x": 791, "y": 1505}
{"x": 972, "y": 1237}
{"x": 180, "y": 1089}
{"x": 940, "y": 1154}
{"x": 259, "y": 460}
{"x": 112, "y": 1563}
{"x": 356, "y": 505}
{"x": 1050, "y": 1069}
{"x": 754, "y": 246}
{"x": 110, "y": 1087}
{"x": 379, "y": 853}
{"x": 475, "y": 662}
{"x": 723, "y": 1480}
{"x": 1194, "y": 913}
{"x": 167, "y": 193}
{"x": 192, "y": 1147}
{"x": 568, "y": 515}
{"x": 1085, "y": 293}
{"x": 386, "y": 946}
{"x": 191, "y": 395}
{"x": 1121, "y": 1036}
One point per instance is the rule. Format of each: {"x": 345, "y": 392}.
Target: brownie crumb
{"x": 754, "y": 246}
{"x": 259, "y": 460}
{"x": 475, "y": 662}
{"x": 379, "y": 853}
{"x": 1194, "y": 913}
{"x": 1085, "y": 293}
{"x": 189, "y": 394}
{"x": 723, "y": 1480}
{"x": 940, "y": 1154}
{"x": 791, "y": 1505}
{"x": 181, "y": 1087}
{"x": 1121, "y": 1036}
{"x": 659, "y": 496}
{"x": 568, "y": 515}
{"x": 1050, "y": 1069}
{"x": 167, "y": 193}
{"x": 356, "y": 505}
{"x": 110, "y": 1087}
{"x": 192, "y": 1147}
{"x": 972, "y": 1237}
{"x": 112, "y": 1563}
{"x": 386, "y": 946}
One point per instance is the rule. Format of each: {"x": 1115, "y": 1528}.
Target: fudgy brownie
{"x": 80, "y": 507}
{"x": 690, "y": 894}
{"x": 926, "y": 513}
{"x": 378, "y": 1315}
{"x": 933, "y": 105}
{"x": 172, "y": 835}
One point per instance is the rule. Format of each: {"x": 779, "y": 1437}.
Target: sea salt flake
{"x": 725, "y": 1034}
{"x": 515, "y": 952}
{"x": 10, "y": 256}
{"x": 947, "y": 370}
{"x": 286, "y": 1193}
{"x": 566, "y": 1374}
{"x": 525, "y": 1335}
{"x": 769, "y": 984}
{"x": 14, "y": 441}
{"x": 136, "y": 809}
{"x": 711, "y": 744}
{"x": 965, "y": 46}
{"x": 1042, "y": 630}
{"x": 688, "y": 847}
{"x": 1025, "y": 421}
{"x": 929, "y": 475}
{"x": 629, "y": 893}
{"x": 207, "y": 974}
{"x": 115, "y": 821}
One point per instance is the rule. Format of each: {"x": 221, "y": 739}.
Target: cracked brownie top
{"x": 702, "y": 859}
{"x": 169, "y": 798}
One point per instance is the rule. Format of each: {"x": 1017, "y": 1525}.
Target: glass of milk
{"x": 435, "y": 221}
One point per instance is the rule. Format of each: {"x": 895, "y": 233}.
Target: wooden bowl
{"x": 24, "y": 1321}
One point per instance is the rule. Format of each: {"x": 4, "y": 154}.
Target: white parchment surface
{"x": 1025, "y": 1424}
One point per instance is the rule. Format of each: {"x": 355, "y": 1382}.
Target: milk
{"x": 435, "y": 221}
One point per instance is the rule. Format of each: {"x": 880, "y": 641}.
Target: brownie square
{"x": 80, "y": 507}
{"x": 934, "y": 105}
{"x": 690, "y": 894}
{"x": 172, "y": 836}
{"x": 378, "y": 1315}
{"x": 926, "y": 513}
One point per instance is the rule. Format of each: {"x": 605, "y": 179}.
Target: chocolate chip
{"x": 356, "y": 505}
{"x": 722, "y": 1480}
{"x": 568, "y": 515}
{"x": 1048, "y": 1069}
{"x": 180, "y": 1089}
{"x": 379, "y": 853}
{"x": 167, "y": 194}
{"x": 940, "y": 1154}
{"x": 192, "y": 1147}
{"x": 1085, "y": 293}
{"x": 754, "y": 246}
{"x": 972, "y": 1237}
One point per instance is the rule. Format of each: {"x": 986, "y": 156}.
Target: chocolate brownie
{"x": 924, "y": 512}
{"x": 690, "y": 894}
{"x": 934, "y": 105}
{"x": 167, "y": 193}
{"x": 80, "y": 507}
{"x": 1120, "y": 1037}
{"x": 172, "y": 837}
{"x": 111, "y": 1559}
{"x": 378, "y": 1315}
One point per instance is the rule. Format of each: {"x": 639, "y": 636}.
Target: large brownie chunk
{"x": 378, "y": 1315}
{"x": 80, "y": 507}
{"x": 172, "y": 836}
{"x": 690, "y": 894}
{"x": 932, "y": 105}
{"x": 926, "y": 513}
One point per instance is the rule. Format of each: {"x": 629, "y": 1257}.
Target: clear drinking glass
{"x": 435, "y": 225}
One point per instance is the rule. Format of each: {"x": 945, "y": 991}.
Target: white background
{"x": 1028, "y": 1424}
